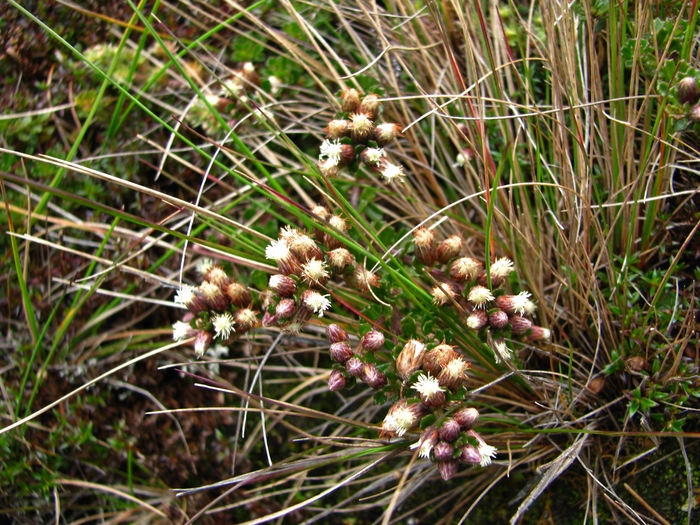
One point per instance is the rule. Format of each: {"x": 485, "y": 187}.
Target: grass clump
{"x": 307, "y": 261}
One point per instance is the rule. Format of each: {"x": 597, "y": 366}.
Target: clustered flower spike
{"x": 355, "y": 137}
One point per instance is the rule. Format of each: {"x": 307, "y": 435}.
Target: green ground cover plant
{"x": 349, "y": 262}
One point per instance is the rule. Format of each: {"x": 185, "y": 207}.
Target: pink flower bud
{"x": 519, "y": 325}
{"x": 285, "y": 309}
{"x": 449, "y": 431}
{"x": 498, "y": 319}
{"x": 448, "y": 469}
{"x": 477, "y": 320}
{"x": 341, "y": 352}
{"x": 443, "y": 451}
{"x": 539, "y": 334}
{"x": 336, "y": 334}
{"x": 466, "y": 418}
{"x": 283, "y": 285}
{"x": 354, "y": 367}
{"x": 269, "y": 320}
{"x": 336, "y": 381}
{"x": 373, "y": 340}
{"x": 373, "y": 377}
{"x": 470, "y": 455}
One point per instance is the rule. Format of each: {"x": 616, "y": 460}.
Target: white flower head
{"x": 392, "y": 172}
{"x": 480, "y": 296}
{"x": 204, "y": 265}
{"x": 185, "y": 295}
{"x": 427, "y": 385}
{"x": 223, "y": 325}
{"x": 501, "y": 352}
{"x": 277, "y": 250}
{"x": 501, "y": 267}
{"x": 405, "y": 418}
{"x": 314, "y": 272}
{"x": 486, "y": 452}
{"x": 181, "y": 330}
{"x": 460, "y": 160}
{"x": 331, "y": 150}
{"x": 317, "y": 302}
{"x": 530, "y": 307}
{"x": 373, "y": 155}
{"x": 520, "y": 302}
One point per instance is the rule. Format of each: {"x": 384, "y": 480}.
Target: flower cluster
{"x": 356, "y": 138}
{"x": 429, "y": 382}
{"x": 218, "y": 309}
{"x": 465, "y": 284}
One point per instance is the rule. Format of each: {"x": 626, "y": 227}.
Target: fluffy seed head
{"x": 203, "y": 266}
{"x": 372, "y": 156}
{"x": 329, "y": 168}
{"x": 501, "y": 352}
{"x": 391, "y": 172}
{"x": 182, "y": 331}
{"x": 500, "y": 269}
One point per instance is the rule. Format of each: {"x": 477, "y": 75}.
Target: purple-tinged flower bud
{"x": 470, "y": 455}
{"x": 202, "y": 342}
{"x": 383, "y": 134}
{"x": 449, "y": 249}
{"x": 477, "y": 320}
{"x": 285, "y": 309}
{"x": 465, "y": 269}
{"x": 269, "y": 320}
{"x": 351, "y": 100}
{"x": 426, "y": 253}
{"x": 539, "y": 334}
{"x": 373, "y": 340}
{"x": 448, "y": 469}
{"x": 336, "y": 381}
{"x": 466, "y": 418}
{"x": 282, "y": 285}
{"x": 443, "y": 451}
{"x": 688, "y": 91}
{"x": 336, "y": 334}
{"x": 370, "y": 104}
{"x": 410, "y": 359}
{"x": 239, "y": 295}
{"x": 373, "y": 377}
{"x": 341, "y": 352}
{"x": 279, "y": 252}
{"x": 519, "y": 325}
{"x": 449, "y": 431}
{"x": 498, "y": 319}
{"x": 362, "y": 127}
{"x": 438, "y": 358}
{"x": 245, "y": 320}
{"x": 337, "y": 129}
{"x": 354, "y": 367}
{"x": 340, "y": 260}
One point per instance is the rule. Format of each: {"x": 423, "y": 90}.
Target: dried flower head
{"x": 362, "y": 279}
{"x": 501, "y": 352}
{"x": 370, "y": 104}
{"x": 391, "y": 172}
{"x": 453, "y": 375}
{"x": 337, "y": 129}
{"x": 383, "y": 134}
{"x": 410, "y": 358}
{"x": 214, "y": 296}
{"x": 351, "y": 100}
{"x": 238, "y": 294}
{"x": 426, "y": 252}
{"x": 438, "y": 358}
{"x": 340, "y": 260}
{"x": 245, "y": 320}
